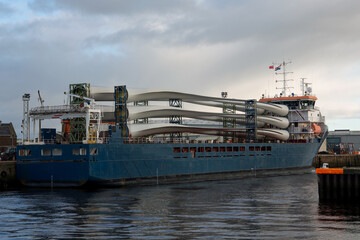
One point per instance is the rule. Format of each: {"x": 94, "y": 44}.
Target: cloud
{"x": 112, "y": 7}
{"x": 5, "y": 10}
{"x": 43, "y": 6}
{"x": 196, "y": 46}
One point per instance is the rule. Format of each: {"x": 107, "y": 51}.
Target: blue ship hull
{"x": 116, "y": 162}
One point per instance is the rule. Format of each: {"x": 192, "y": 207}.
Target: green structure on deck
{"x": 229, "y": 122}
{"x": 121, "y": 112}
{"x": 251, "y": 119}
{"x": 175, "y": 119}
{"x": 78, "y": 125}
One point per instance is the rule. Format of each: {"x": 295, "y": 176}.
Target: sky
{"x": 196, "y": 46}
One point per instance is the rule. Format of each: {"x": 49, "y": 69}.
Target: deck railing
{"x": 167, "y": 140}
{"x": 57, "y": 109}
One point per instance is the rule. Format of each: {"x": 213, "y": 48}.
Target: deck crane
{"x": 42, "y": 105}
{"x": 40, "y": 99}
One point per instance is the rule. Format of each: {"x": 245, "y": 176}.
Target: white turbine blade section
{"x": 281, "y": 110}
{"x": 102, "y": 93}
{"x": 274, "y": 133}
{"x": 279, "y": 122}
{"x": 107, "y": 94}
{"x": 240, "y": 108}
{"x": 157, "y": 111}
{"x": 109, "y": 117}
{"x": 138, "y": 112}
{"x": 140, "y": 130}
{"x": 221, "y": 119}
{"x": 149, "y": 95}
{"x": 161, "y": 95}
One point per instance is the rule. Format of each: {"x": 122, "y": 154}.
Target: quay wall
{"x": 7, "y": 174}
{"x": 337, "y": 160}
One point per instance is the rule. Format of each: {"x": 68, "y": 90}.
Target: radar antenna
{"x": 305, "y": 87}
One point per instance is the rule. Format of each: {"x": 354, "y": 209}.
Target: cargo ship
{"x": 124, "y": 136}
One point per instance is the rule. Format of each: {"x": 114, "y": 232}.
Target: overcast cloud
{"x": 198, "y": 46}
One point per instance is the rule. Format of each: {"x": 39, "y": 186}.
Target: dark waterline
{"x": 259, "y": 208}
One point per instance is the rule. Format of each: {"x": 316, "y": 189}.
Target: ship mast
{"x": 284, "y": 73}
{"x": 303, "y": 86}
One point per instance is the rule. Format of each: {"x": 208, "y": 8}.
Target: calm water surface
{"x": 259, "y": 208}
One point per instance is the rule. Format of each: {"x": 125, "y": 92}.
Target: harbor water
{"x": 285, "y": 207}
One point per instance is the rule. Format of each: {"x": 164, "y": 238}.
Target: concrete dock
{"x": 338, "y": 177}
{"x": 337, "y": 160}
{"x": 7, "y": 175}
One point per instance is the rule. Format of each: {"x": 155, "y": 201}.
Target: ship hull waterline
{"x": 128, "y": 164}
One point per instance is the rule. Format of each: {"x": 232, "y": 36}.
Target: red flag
{"x": 271, "y": 67}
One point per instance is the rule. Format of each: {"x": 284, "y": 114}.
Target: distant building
{"x": 343, "y": 139}
{"x": 7, "y": 136}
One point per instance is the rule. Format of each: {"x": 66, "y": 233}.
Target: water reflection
{"x": 262, "y": 208}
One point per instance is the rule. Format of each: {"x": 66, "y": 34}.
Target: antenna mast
{"x": 26, "y": 118}
{"x": 285, "y": 87}
{"x": 303, "y": 86}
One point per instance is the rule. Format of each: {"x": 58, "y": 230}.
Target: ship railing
{"x": 152, "y": 140}
{"x": 303, "y": 108}
{"x": 59, "y": 108}
{"x": 149, "y": 140}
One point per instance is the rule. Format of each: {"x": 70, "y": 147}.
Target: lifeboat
{"x": 316, "y": 129}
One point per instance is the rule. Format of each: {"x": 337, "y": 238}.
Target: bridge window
{"x": 229, "y": 149}
{"x": 236, "y": 149}
{"x": 215, "y": 149}
{"x": 222, "y": 149}
{"x": 251, "y": 149}
{"x": 208, "y": 149}
{"x": 268, "y": 148}
{"x": 242, "y": 149}
{"x": 185, "y": 149}
{"x": 201, "y": 149}
{"x": 176, "y": 150}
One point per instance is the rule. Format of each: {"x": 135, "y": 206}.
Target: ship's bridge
{"x": 305, "y": 119}
{"x": 293, "y": 102}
